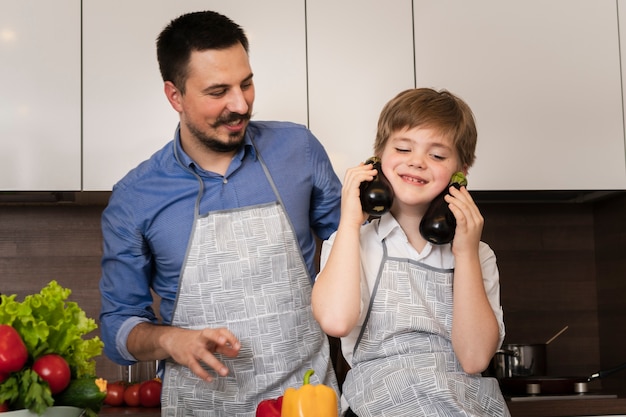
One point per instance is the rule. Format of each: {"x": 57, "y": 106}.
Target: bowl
{"x": 59, "y": 411}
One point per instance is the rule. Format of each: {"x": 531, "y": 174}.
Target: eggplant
{"x": 438, "y": 224}
{"x": 376, "y": 195}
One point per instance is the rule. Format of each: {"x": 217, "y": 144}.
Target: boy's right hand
{"x": 351, "y": 208}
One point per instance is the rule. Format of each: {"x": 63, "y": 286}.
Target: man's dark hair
{"x": 197, "y": 31}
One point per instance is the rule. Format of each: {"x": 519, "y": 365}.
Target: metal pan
{"x": 544, "y": 385}
{"x": 547, "y": 385}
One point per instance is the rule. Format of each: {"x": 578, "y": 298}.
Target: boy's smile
{"x": 419, "y": 162}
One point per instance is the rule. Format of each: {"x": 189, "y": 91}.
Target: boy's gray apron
{"x": 245, "y": 271}
{"x": 404, "y": 364}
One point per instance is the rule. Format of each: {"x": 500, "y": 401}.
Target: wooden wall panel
{"x": 547, "y": 273}
{"x": 40, "y": 243}
{"x": 560, "y": 264}
{"x": 610, "y": 240}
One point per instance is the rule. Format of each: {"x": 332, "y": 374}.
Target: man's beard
{"x": 213, "y": 143}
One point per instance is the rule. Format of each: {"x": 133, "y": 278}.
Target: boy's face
{"x": 418, "y": 163}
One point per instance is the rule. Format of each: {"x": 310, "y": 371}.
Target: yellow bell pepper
{"x": 309, "y": 400}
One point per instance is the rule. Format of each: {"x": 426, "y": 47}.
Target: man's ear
{"x": 173, "y": 95}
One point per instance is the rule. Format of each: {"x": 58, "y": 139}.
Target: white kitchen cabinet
{"x": 40, "y": 119}
{"x": 126, "y": 114}
{"x": 543, "y": 79}
{"x": 360, "y": 55}
{"x": 621, "y": 7}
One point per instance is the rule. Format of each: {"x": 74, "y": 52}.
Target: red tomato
{"x": 4, "y": 407}
{"x": 53, "y": 369}
{"x": 3, "y": 377}
{"x": 13, "y": 353}
{"x": 131, "y": 395}
{"x": 115, "y": 394}
{"x": 150, "y": 393}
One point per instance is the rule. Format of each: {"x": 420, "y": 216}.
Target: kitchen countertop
{"x": 130, "y": 411}
{"x": 542, "y": 408}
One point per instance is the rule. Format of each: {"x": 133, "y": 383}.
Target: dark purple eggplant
{"x": 376, "y": 195}
{"x": 438, "y": 224}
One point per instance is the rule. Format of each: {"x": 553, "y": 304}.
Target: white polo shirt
{"x": 438, "y": 256}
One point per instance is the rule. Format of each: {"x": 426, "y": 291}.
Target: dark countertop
{"x": 130, "y": 411}
{"x": 542, "y": 408}
{"x": 568, "y": 407}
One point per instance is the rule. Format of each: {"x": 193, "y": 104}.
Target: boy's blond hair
{"x": 428, "y": 108}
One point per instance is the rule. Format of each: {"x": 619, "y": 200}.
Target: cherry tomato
{"x": 150, "y": 393}
{"x": 115, "y": 394}
{"x": 13, "y": 353}
{"x": 131, "y": 395}
{"x": 53, "y": 369}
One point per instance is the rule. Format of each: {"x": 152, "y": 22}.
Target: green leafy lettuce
{"x": 47, "y": 323}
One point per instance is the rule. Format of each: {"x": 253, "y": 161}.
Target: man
{"x": 220, "y": 224}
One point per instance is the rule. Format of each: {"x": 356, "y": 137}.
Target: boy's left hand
{"x": 469, "y": 221}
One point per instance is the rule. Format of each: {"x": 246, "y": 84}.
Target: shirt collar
{"x": 388, "y": 227}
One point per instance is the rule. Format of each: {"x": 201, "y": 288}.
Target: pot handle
{"x": 602, "y": 374}
{"x": 508, "y": 352}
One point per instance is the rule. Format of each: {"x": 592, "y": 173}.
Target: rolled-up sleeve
{"x": 125, "y": 282}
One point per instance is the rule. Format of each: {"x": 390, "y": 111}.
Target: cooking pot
{"x": 519, "y": 360}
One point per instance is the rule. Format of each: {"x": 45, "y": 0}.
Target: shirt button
{"x": 225, "y": 181}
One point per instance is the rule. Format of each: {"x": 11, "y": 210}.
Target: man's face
{"x": 219, "y": 95}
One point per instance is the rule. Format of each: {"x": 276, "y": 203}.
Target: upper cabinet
{"x": 360, "y": 55}
{"x": 126, "y": 114}
{"x": 40, "y": 126}
{"x": 621, "y": 5}
{"x": 83, "y": 100}
{"x": 543, "y": 79}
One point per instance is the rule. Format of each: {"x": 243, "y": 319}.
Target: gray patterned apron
{"x": 404, "y": 364}
{"x": 244, "y": 271}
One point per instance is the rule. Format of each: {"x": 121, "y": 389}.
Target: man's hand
{"x": 187, "y": 347}
{"x": 194, "y": 346}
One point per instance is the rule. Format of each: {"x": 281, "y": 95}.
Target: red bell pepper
{"x": 270, "y": 408}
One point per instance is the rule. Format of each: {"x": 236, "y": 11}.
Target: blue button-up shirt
{"x": 148, "y": 221}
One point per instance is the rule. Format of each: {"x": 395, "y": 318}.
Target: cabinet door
{"x": 621, "y": 7}
{"x": 40, "y": 123}
{"x": 360, "y": 55}
{"x": 126, "y": 114}
{"x": 543, "y": 79}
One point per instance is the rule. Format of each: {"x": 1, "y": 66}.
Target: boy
{"x": 418, "y": 322}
